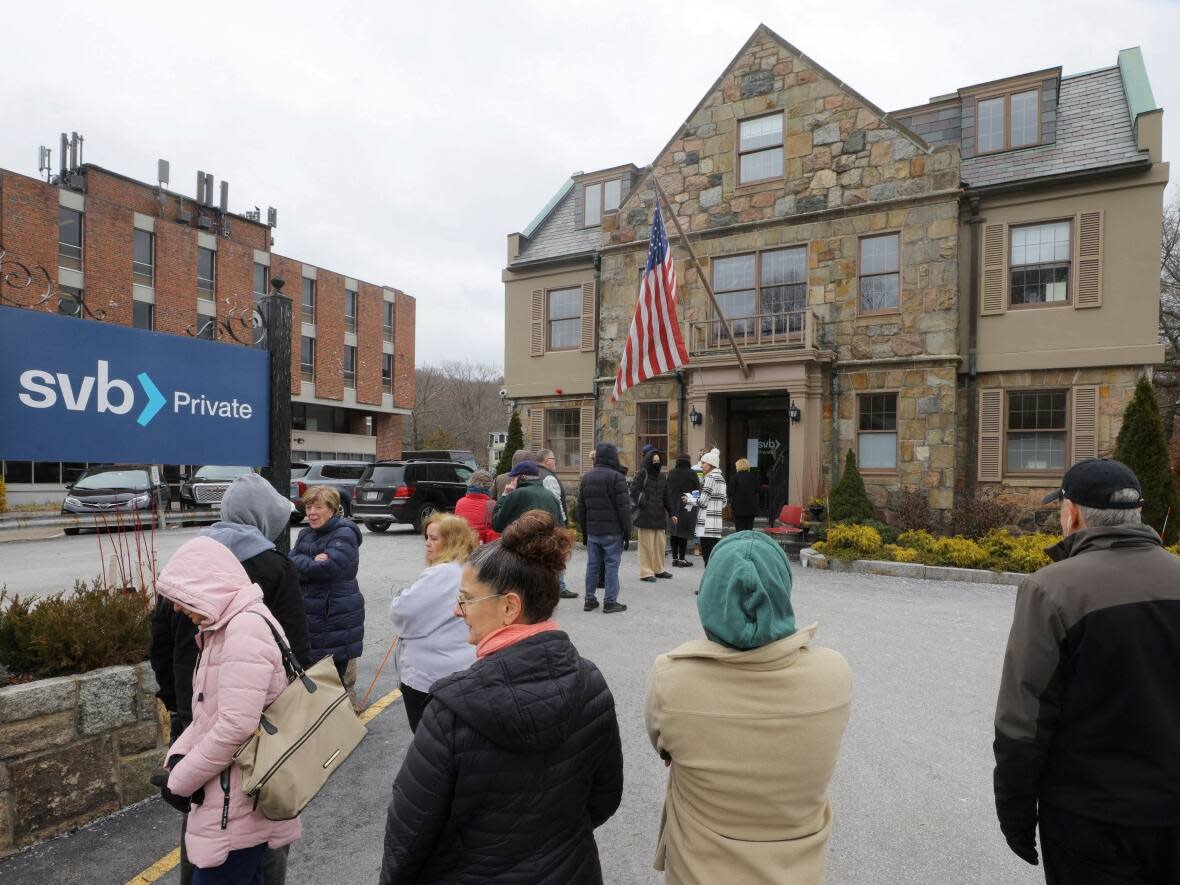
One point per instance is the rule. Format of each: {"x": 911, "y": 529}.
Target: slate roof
{"x": 558, "y": 235}
{"x": 1093, "y": 131}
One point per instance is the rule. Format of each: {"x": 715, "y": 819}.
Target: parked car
{"x": 407, "y": 492}
{"x": 340, "y": 475}
{"x": 460, "y": 455}
{"x": 117, "y": 489}
{"x": 203, "y": 490}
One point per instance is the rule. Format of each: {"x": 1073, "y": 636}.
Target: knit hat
{"x": 712, "y": 457}
{"x": 745, "y": 599}
{"x": 525, "y": 468}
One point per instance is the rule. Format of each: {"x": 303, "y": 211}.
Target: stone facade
{"x": 75, "y": 748}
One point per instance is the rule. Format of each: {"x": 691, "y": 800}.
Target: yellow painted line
{"x": 171, "y": 860}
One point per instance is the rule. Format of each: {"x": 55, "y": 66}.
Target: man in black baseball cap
{"x": 1088, "y": 717}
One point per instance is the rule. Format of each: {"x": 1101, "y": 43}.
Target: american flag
{"x": 654, "y": 344}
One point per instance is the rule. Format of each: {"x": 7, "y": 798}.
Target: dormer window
{"x": 1009, "y": 121}
{"x": 602, "y": 197}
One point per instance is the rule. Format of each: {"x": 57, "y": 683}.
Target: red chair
{"x": 790, "y": 520}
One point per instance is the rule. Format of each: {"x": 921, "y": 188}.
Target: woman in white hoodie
{"x": 433, "y": 642}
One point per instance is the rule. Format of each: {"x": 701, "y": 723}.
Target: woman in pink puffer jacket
{"x": 239, "y": 672}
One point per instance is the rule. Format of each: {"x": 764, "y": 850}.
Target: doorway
{"x": 758, "y": 429}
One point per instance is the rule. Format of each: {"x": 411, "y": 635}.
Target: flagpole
{"x": 701, "y": 274}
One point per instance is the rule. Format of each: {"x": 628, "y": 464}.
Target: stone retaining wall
{"x": 75, "y": 748}
{"x": 810, "y": 559}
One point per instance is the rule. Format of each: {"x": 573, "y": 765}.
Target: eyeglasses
{"x": 463, "y": 603}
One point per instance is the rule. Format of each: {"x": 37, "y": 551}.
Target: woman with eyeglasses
{"x": 517, "y": 758}
{"x": 432, "y": 641}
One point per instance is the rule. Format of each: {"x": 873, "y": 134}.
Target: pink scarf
{"x": 510, "y": 635}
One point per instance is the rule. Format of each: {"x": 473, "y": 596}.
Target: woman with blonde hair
{"x": 433, "y": 642}
{"x": 743, "y": 497}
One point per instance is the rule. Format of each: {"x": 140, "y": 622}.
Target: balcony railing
{"x": 768, "y": 331}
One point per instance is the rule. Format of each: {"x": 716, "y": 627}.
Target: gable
{"x": 838, "y": 150}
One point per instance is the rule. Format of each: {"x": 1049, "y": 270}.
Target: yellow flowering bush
{"x": 853, "y": 542}
{"x": 920, "y": 540}
{"x": 1018, "y": 553}
{"x": 958, "y": 551}
{"x": 999, "y": 549}
{"x": 894, "y": 553}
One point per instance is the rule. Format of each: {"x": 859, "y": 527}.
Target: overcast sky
{"x": 401, "y": 142}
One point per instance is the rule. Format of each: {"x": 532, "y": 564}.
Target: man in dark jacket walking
{"x": 604, "y": 513}
{"x": 1088, "y": 717}
{"x": 252, "y": 515}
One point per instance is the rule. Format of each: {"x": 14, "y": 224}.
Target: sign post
{"x": 277, "y": 309}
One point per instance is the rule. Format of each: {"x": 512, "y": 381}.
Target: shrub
{"x": 1142, "y": 447}
{"x": 958, "y": 551}
{"x": 852, "y": 542}
{"x": 920, "y": 540}
{"x": 514, "y": 444}
{"x": 888, "y": 533}
{"x": 911, "y": 510}
{"x": 899, "y": 554}
{"x": 975, "y": 517}
{"x": 1018, "y": 553}
{"x": 94, "y": 626}
{"x": 3, "y": 495}
{"x": 849, "y": 502}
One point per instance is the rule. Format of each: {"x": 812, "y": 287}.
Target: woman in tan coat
{"x": 749, "y": 723}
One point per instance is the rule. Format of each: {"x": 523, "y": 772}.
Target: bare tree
{"x": 457, "y": 400}
{"x": 1167, "y": 378}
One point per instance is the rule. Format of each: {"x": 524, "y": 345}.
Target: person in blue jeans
{"x": 604, "y": 514}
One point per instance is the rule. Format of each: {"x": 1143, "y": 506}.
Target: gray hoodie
{"x": 252, "y": 514}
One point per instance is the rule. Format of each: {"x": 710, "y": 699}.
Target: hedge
{"x": 998, "y": 550}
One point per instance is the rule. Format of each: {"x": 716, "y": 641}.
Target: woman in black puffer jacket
{"x": 517, "y": 758}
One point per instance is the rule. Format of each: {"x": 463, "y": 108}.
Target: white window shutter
{"x": 586, "y": 436}
{"x": 536, "y": 428}
{"x": 588, "y": 292}
{"x": 537, "y": 338}
{"x": 1084, "y": 423}
{"x": 994, "y": 288}
{"x": 1089, "y": 289}
{"x": 991, "y": 434}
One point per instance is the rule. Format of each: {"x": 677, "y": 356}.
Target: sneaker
{"x": 663, "y": 574}
{"x": 590, "y": 605}
{"x": 611, "y": 607}
{"x": 568, "y": 594}
{"x": 678, "y": 563}
{"x": 651, "y": 579}
{"x": 685, "y": 563}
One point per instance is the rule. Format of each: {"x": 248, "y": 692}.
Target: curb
{"x": 90, "y": 521}
{"x": 810, "y": 559}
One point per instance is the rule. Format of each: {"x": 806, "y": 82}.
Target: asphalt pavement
{"x": 912, "y": 795}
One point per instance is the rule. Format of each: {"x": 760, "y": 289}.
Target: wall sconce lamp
{"x": 793, "y": 413}
{"x": 694, "y": 417}
{"x": 298, "y": 440}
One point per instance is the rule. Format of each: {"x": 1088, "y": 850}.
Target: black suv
{"x": 407, "y": 492}
{"x": 340, "y": 475}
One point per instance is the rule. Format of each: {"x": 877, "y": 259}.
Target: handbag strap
{"x": 290, "y": 662}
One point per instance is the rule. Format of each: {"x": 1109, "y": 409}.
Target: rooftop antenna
{"x": 272, "y": 216}
{"x": 45, "y": 161}
{"x": 74, "y": 146}
{"x": 224, "y": 197}
{"x": 208, "y": 188}
{"x": 63, "y": 156}
{"x": 200, "y": 188}
{"x": 162, "y": 171}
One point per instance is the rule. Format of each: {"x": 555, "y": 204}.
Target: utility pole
{"x": 277, "y": 311}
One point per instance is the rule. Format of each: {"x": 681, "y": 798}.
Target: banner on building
{"x": 80, "y": 390}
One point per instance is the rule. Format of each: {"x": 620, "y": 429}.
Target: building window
{"x": 307, "y": 358}
{"x": 651, "y": 426}
{"x": 143, "y": 315}
{"x": 1036, "y": 431}
{"x": 206, "y": 269}
{"x": 307, "y": 304}
{"x": 760, "y": 148}
{"x": 877, "y": 431}
{"x": 563, "y": 318}
{"x": 387, "y": 320}
{"x": 599, "y": 198}
{"x": 387, "y": 372}
{"x": 69, "y": 238}
{"x": 879, "y": 278}
{"x": 349, "y": 311}
{"x": 1009, "y": 121}
{"x": 1039, "y": 264}
{"x": 349, "y": 366}
{"x": 143, "y": 264}
{"x": 562, "y": 435}
{"x": 69, "y": 301}
{"x": 206, "y": 326}
{"x": 761, "y": 295}
{"x": 261, "y": 279}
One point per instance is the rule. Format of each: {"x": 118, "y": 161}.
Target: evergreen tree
{"x": 515, "y": 444}
{"x": 849, "y": 502}
{"x": 1142, "y": 447}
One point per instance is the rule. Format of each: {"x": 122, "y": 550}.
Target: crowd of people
{"x": 515, "y": 756}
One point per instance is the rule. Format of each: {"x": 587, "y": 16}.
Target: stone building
{"x": 963, "y": 293}
{"x": 113, "y": 249}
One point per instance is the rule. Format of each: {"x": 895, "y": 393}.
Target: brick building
{"x": 963, "y": 293}
{"x": 113, "y": 249}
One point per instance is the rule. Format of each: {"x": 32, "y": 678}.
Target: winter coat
{"x": 604, "y": 503}
{"x": 556, "y": 489}
{"x": 781, "y": 710}
{"x": 239, "y": 673}
{"x": 331, "y": 597}
{"x": 743, "y": 494}
{"x": 1088, "y": 716}
{"x": 516, "y": 761}
{"x": 476, "y": 508}
{"x": 433, "y": 642}
{"x": 711, "y": 504}
{"x": 648, "y": 497}
{"x": 682, "y": 480}
{"x": 528, "y": 495}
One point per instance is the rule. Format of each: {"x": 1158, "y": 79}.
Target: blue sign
{"x": 81, "y": 390}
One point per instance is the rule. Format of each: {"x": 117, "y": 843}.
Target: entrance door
{"x": 758, "y": 430}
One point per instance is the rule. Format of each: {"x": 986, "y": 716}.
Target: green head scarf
{"x": 745, "y": 599}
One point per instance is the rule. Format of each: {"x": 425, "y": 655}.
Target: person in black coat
{"x": 682, "y": 481}
{"x": 517, "y": 758}
{"x": 651, "y": 514}
{"x": 252, "y": 515}
{"x": 604, "y": 513}
{"x": 743, "y": 496}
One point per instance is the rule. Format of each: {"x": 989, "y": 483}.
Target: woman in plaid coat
{"x": 712, "y": 502}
